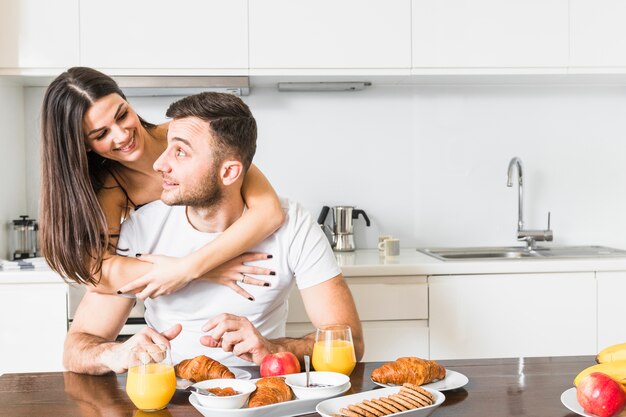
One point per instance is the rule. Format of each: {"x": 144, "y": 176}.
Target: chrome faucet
{"x": 530, "y": 236}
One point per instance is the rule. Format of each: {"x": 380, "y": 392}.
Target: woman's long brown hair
{"x": 73, "y": 229}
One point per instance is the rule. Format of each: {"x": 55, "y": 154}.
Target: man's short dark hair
{"x": 230, "y": 120}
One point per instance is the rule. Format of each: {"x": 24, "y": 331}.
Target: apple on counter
{"x": 281, "y": 363}
{"x": 601, "y": 395}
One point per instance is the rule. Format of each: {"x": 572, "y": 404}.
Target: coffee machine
{"x": 342, "y": 239}
{"x": 23, "y": 242}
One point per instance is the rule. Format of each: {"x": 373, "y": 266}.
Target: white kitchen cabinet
{"x": 192, "y": 35}
{"x": 38, "y": 34}
{"x": 456, "y": 34}
{"x": 393, "y": 312}
{"x": 598, "y": 33}
{"x": 611, "y": 290}
{"x": 512, "y": 315}
{"x": 327, "y": 34}
{"x": 33, "y": 319}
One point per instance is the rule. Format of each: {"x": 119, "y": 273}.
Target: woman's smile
{"x": 128, "y": 146}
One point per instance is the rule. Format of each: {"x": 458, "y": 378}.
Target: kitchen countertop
{"x": 30, "y": 276}
{"x": 369, "y": 263}
{"x": 497, "y": 387}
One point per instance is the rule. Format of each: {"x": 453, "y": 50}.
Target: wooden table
{"x": 497, "y": 387}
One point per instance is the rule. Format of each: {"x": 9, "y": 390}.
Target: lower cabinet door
{"x": 389, "y": 340}
{"x": 33, "y": 319}
{"x": 512, "y": 315}
{"x": 611, "y": 290}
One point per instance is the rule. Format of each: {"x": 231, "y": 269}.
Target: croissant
{"x": 201, "y": 368}
{"x": 410, "y": 369}
{"x": 270, "y": 391}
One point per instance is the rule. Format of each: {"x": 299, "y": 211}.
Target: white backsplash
{"x": 12, "y": 161}
{"x": 428, "y": 163}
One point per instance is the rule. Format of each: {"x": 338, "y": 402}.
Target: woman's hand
{"x": 169, "y": 274}
{"x": 235, "y": 271}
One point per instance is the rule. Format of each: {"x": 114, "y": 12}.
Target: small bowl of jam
{"x": 226, "y": 393}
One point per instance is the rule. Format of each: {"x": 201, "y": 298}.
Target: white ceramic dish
{"x": 569, "y": 400}
{"x": 453, "y": 380}
{"x": 329, "y": 407}
{"x": 335, "y": 383}
{"x": 286, "y": 409}
{"x": 245, "y": 388}
{"x": 183, "y": 384}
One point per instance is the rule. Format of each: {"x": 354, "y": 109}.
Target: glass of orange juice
{"x": 333, "y": 349}
{"x": 151, "y": 382}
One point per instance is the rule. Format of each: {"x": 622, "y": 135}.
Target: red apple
{"x": 601, "y": 395}
{"x": 281, "y": 363}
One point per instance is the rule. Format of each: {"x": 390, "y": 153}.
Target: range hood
{"x": 151, "y": 86}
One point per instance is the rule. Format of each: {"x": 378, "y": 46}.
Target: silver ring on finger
{"x": 243, "y": 278}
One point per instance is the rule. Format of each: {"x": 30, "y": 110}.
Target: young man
{"x": 211, "y": 143}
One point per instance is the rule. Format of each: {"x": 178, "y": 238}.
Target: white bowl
{"x": 245, "y": 388}
{"x": 334, "y": 380}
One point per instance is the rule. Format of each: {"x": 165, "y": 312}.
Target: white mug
{"x": 390, "y": 247}
{"x": 381, "y": 239}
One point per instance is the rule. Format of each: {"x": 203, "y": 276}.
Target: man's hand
{"x": 237, "y": 335}
{"x": 117, "y": 358}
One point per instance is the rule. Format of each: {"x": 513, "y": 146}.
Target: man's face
{"x": 188, "y": 165}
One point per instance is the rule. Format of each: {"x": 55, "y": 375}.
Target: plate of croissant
{"x": 272, "y": 398}
{"x": 418, "y": 371}
{"x": 202, "y": 368}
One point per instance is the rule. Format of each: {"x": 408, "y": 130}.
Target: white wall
{"x": 428, "y": 163}
{"x": 12, "y": 161}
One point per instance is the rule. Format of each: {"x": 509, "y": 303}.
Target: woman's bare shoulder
{"x": 160, "y": 131}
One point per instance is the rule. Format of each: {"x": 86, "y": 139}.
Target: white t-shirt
{"x": 301, "y": 254}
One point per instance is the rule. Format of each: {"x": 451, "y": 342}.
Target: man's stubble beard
{"x": 207, "y": 194}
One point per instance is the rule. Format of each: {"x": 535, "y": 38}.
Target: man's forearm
{"x": 298, "y": 346}
{"x": 86, "y": 354}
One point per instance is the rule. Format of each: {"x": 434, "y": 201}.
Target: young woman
{"x": 97, "y": 156}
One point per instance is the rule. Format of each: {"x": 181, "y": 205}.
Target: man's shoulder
{"x": 294, "y": 211}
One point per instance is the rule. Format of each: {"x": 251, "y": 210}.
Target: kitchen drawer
{"x": 377, "y": 298}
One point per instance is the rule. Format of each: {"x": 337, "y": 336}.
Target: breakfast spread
{"x": 413, "y": 370}
{"x": 409, "y": 397}
{"x": 223, "y": 392}
{"x": 202, "y": 368}
{"x": 270, "y": 390}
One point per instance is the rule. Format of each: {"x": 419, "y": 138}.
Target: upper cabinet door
{"x": 38, "y": 33}
{"x": 329, "y": 34}
{"x": 598, "y": 33}
{"x": 164, "y": 34}
{"x": 490, "y": 33}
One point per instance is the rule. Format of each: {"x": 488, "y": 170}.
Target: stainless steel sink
{"x": 519, "y": 252}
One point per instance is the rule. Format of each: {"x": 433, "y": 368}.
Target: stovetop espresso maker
{"x": 343, "y": 226}
{"x": 23, "y": 241}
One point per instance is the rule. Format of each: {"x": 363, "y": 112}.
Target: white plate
{"x": 453, "y": 380}
{"x": 329, "y": 407}
{"x": 285, "y": 409}
{"x": 183, "y": 384}
{"x": 569, "y": 400}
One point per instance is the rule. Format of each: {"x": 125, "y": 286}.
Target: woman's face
{"x": 113, "y": 129}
